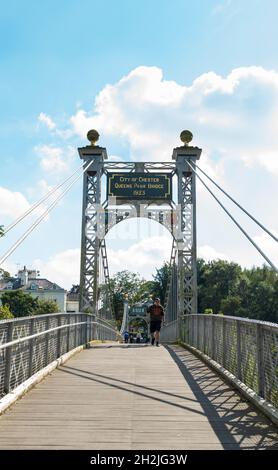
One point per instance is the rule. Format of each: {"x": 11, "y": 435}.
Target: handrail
{"x": 22, "y": 355}
{"x": 28, "y": 338}
{"x": 231, "y": 317}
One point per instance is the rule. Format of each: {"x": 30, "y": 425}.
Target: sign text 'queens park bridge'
{"x": 157, "y": 186}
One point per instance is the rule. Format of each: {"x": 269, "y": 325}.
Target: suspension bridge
{"x": 68, "y": 382}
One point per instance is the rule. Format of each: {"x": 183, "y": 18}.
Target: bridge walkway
{"x": 135, "y": 397}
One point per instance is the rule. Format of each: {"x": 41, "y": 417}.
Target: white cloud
{"x": 11, "y": 267}
{"x": 268, "y": 246}
{"x": 232, "y": 116}
{"x": 55, "y": 159}
{"x": 141, "y": 257}
{"x": 12, "y": 203}
{"x": 62, "y": 268}
{"x": 115, "y": 158}
{"x": 45, "y": 119}
{"x": 208, "y": 253}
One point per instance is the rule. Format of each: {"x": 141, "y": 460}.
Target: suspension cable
{"x": 238, "y": 205}
{"x": 39, "y": 220}
{"x": 235, "y": 221}
{"x": 36, "y": 204}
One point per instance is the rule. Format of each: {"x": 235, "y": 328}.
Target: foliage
{"x": 19, "y": 303}
{"x": 2, "y": 231}
{"x": 22, "y": 304}
{"x": 46, "y": 306}
{"x": 5, "y": 275}
{"x": 208, "y": 311}
{"x": 161, "y": 279}
{"x": 227, "y": 288}
{"x": 216, "y": 281}
{"x": 5, "y": 313}
{"x": 125, "y": 282}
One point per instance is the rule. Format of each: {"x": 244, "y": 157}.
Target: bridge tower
{"x": 93, "y": 157}
{"x": 187, "y": 241}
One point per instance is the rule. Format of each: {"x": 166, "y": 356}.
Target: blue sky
{"x": 57, "y": 57}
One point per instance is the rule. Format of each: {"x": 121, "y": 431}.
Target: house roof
{"x": 44, "y": 284}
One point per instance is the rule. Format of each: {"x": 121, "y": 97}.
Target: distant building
{"x": 28, "y": 280}
{"x": 73, "y": 299}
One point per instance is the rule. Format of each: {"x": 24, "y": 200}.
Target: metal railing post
{"x": 68, "y": 332}
{"x": 260, "y": 361}
{"x": 238, "y": 335}
{"x": 191, "y": 330}
{"x": 223, "y": 343}
{"x": 97, "y": 331}
{"x": 199, "y": 332}
{"x": 59, "y": 337}
{"x": 31, "y": 347}
{"x": 47, "y": 342}
{"x": 93, "y": 336}
{"x": 84, "y": 329}
{"x": 204, "y": 333}
{"x": 75, "y": 331}
{"x": 87, "y": 331}
{"x": 213, "y": 342}
{"x": 196, "y": 331}
{"x": 8, "y": 359}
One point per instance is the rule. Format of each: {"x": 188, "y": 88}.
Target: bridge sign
{"x": 137, "y": 311}
{"x": 142, "y": 186}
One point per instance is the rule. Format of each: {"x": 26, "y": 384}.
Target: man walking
{"x": 156, "y": 312}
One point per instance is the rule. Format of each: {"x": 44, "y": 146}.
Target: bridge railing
{"x": 27, "y": 344}
{"x": 246, "y": 348}
{"x": 170, "y": 332}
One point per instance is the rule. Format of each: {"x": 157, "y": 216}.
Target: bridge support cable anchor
{"x": 41, "y": 218}
{"x": 238, "y": 205}
{"x": 235, "y": 222}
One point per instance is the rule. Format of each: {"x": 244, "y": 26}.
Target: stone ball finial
{"x": 186, "y": 137}
{"x": 93, "y": 136}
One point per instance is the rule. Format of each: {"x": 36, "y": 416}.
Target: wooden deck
{"x": 134, "y": 397}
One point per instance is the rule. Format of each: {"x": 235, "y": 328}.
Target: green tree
{"x": 228, "y": 289}
{"x": 5, "y": 313}
{"x": 216, "y": 280}
{"x": 5, "y": 275}
{"x": 126, "y": 282}
{"x": 19, "y": 303}
{"x": 231, "y": 305}
{"x": 161, "y": 280}
{"x": 2, "y": 231}
{"x": 46, "y": 306}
